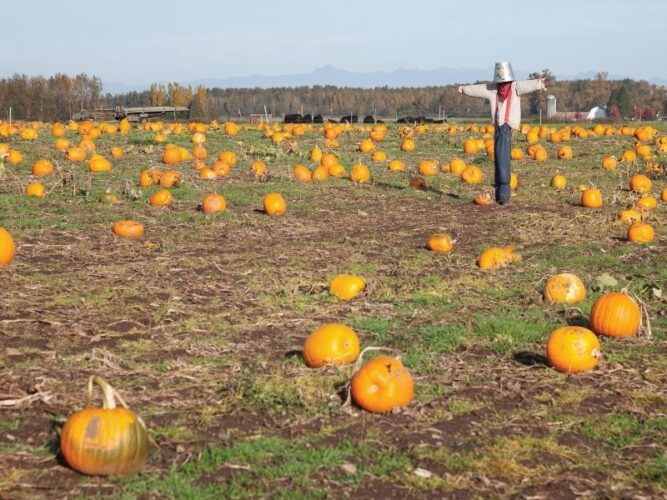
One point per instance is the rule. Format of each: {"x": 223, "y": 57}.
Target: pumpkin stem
{"x": 360, "y": 359}
{"x": 109, "y": 394}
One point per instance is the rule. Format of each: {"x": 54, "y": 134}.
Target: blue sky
{"x": 141, "y": 41}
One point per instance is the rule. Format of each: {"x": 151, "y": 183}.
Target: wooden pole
{"x": 266, "y": 115}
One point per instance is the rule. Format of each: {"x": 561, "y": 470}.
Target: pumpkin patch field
{"x": 216, "y": 310}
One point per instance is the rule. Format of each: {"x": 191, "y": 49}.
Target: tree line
{"x": 59, "y": 96}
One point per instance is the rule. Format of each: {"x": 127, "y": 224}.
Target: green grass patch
{"x": 623, "y": 429}
{"x": 267, "y": 466}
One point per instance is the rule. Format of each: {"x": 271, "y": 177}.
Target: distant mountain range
{"x": 330, "y": 75}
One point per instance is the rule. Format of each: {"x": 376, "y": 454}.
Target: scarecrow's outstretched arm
{"x": 479, "y": 90}
{"x": 527, "y": 86}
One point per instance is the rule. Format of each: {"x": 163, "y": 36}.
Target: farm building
{"x": 598, "y": 112}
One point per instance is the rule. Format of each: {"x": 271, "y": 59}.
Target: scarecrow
{"x": 504, "y": 95}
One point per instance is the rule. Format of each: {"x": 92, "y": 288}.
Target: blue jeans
{"x": 503, "y": 145}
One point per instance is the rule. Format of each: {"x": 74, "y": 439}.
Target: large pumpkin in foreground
{"x": 573, "y": 349}
{"x": 382, "y": 384}
{"x": 615, "y": 315}
{"x": 104, "y": 441}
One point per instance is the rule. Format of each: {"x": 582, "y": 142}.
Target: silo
{"x": 551, "y": 106}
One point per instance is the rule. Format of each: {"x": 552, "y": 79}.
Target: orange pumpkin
{"x": 207, "y": 174}
{"x": 630, "y": 216}
{"x": 639, "y": 183}
{"x": 647, "y": 202}
{"x": 301, "y": 173}
{"x": 221, "y": 168}
{"x": 565, "y": 153}
{"x": 198, "y": 138}
{"x": 565, "y": 288}
{"x": 14, "y": 157}
{"x": 231, "y": 129}
{"x": 99, "y": 163}
{"x": 457, "y": 166}
{"x": 643, "y": 150}
{"x": 347, "y": 286}
{"x": 213, "y": 203}
{"x": 58, "y": 130}
{"x": 171, "y": 155}
{"x": 381, "y": 385}
{"x": 104, "y": 441}
{"x": 36, "y": 189}
{"x": 541, "y": 154}
{"x": 440, "y": 242}
{"x": 573, "y": 349}
{"x": 470, "y": 146}
{"x": 628, "y": 156}
{"x": 170, "y": 178}
{"x": 185, "y": 154}
{"x": 124, "y": 126}
{"x": 76, "y": 153}
{"x": 321, "y": 173}
{"x": 258, "y": 168}
{"x": 274, "y": 204}
{"x": 408, "y": 145}
{"x": 616, "y": 315}
{"x": 42, "y": 168}
{"x": 639, "y": 232}
{"x": 379, "y": 156}
{"x": 229, "y": 157}
{"x": 128, "y": 228}
{"x": 516, "y": 154}
{"x": 28, "y": 134}
{"x": 199, "y": 152}
{"x": 337, "y": 170}
{"x": 145, "y": 178}
{"x": 328, "y": 159}
{"x": 483, "y": 199}
{"x": 316, "y": 154}
{"x": 360, "y": 174}
{"x": 591, "y": 198}
{"x": 88, "y": 145}
{"x": 496, "y": 257}
{"x": 558, "y": 182}
{"x": 663, "y": 195}
{"x": 472, "y": 175}
{"x": 331, "y": 344}
{"x": 161, "y": 198}
{"x": 428, "y": 168}
{"x": 366, "y": 146}
{"x": 61, "y": 144}
{"x": 609, "y": 162}
{"x": 7, "y": 247}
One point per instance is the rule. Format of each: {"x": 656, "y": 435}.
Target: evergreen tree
{"x": 621, "y": 98}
